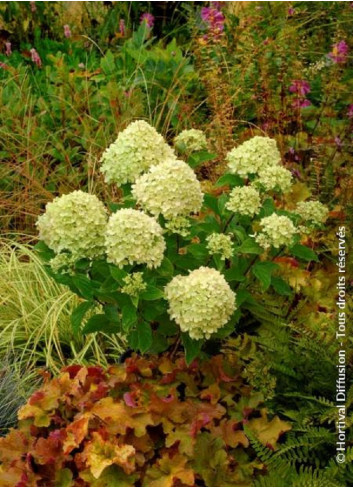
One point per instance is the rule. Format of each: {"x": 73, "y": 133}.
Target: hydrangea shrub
{"x": 150, "y": 422}
{"x": 168, "y": 265}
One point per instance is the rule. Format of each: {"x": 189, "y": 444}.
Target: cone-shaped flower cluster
{"x": 191, "y": 140}
{"x": 276, "y": 231}
{"x": 253, "y": 155}
{"x": 133, "y": 237}
{"x": 136, "y": 149}
{"x": 201, "y": 302}
{"x": 74, "y": 223}
{"x": 170, "y": 189}
{"x": 244, "y": 200}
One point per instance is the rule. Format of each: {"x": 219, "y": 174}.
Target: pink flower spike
{"x": 35, "y": 57}
{"x": 217, "y": 5}
{"x": 305, "y": 103}
{"x": 213, "y": 18}
{"x": 350, "y": 111}
{"x": 122, "y": 27}
{"x": 8, "y": 49}
{"x": 33, "y": 6}
{"x": 67, "y": 31}
{"x": 300, "y": 103}
{"x": 301, "y": 87}
{"x": 148, "y": 19}
{"x": 339, "y": 52}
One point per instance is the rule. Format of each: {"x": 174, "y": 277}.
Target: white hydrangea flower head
{"x": 134, "y": 237}
{"x": 170, "y": 188}
{"x": 134, "y": 284}
{"x": 75, "y": 223}
{"x": 136, "y": 149}
{"x": 201, "y": 302}
{"x": 178, "y": 225}
{"x": 191, "y": 140}
{"x": 220, "y": 244}
{"x": 312, "y": 211}
{"x": 62, "y": 262}
{"x": 245, "y": 201}
{"x": 275, "y": 177}
{"x": 253, "y": 155}
{"x": 276, "y": 231}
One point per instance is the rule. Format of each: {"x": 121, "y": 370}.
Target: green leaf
{"x": 222, "y": 200}
{"x": 166, "y": 269}
{"x": 268, "y": 208}
{"x": 186, "y": 262}
{"x": 98, "y": 322}
{"x": 153, "y": 310}
{"x": 114, "y": 206}
{"x": 219, "y": 262}
{"x": 78, "y": 314}
{"x": 159, "y": 344}
{"x": 228, "y": 328}
{"x": 235, "y": 273}
{"x": 167, "y": 326}
{"x": 280, "y": 286}
{"x": 243, "y": 296}
{"x": 263, "y": 271}
{"x": 107, "y": 63}
{"x": 210, "y": 225}
{"x": 231, "y": 180}
{"x": 152, "y": 293}
{"x": 82, "y": 265}
{"x": 112, "y": 314}
{"x": 192, "y": 347}
{"x": 199, "y": 251}
{"x": 44, "y": 251}
{"x": 145, "y": 336}
{"x": 99, "y": 270}
{"x": 211, "y": 202}
{"x": 118, "y": 274}
{"x": 196, "y": 159}
{"x": 133, "y": 339}
{"x": 84, "y": 285}
{"x": 128, "y": 317}
{"x": 250, "y": 246}
{"x": 303, "y": 252}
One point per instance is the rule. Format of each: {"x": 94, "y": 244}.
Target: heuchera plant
{"x": 151, "y": 422}
{"x": 167, "y": 265}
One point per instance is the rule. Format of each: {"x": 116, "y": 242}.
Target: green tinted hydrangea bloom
{"x": 178, "y": 225}
{"x": 275, "y": 178}
{"x": 201, "y": 302}
{"x": 134, "y": 237}
{"x": 134, "y": 284}
{"x": 62, "y": 263}
{"x": 136, "y": 149}
{"x": 253, "y": 155}
{"x": 244, "y": 200}
{"x": 276, "y": 231}
{"x": 170, "y": 189}
{"x": 313, "y": 211}
{"x": 74, "y": 223}
{"x": 220, "y": 244}
{"x": 191, "y": 140}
